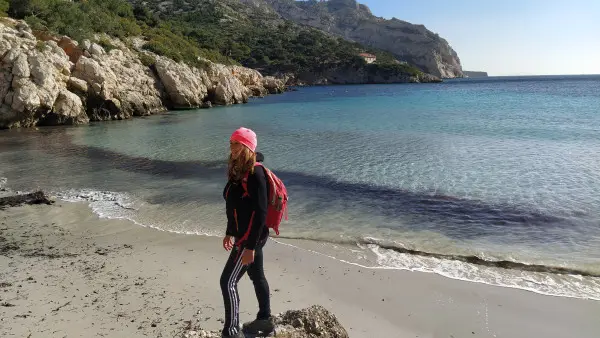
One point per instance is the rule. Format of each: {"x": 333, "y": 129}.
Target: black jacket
{"x": 247, "y": 213}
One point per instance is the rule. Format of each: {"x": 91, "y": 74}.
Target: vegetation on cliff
{"x": 222, "y": 31}
{"x": 82, "y": 19}
{"x": 3, "y": 7}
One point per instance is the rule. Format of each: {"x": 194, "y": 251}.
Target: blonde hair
{"x": 238, "y": 167}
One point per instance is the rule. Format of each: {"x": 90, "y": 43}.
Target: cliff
{"x": 230, "y": 32}
{"x": 255, "y": 34}
{"x": 411, "y": 43}
{"x": 52, "y": 80}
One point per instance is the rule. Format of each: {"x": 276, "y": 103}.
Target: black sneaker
{"x": 262, "y": 326}
{"x": 240, "y": 334}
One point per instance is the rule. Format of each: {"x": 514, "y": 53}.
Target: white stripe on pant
{"x": 231, "y": 292}
{"x": 235, "y": 310}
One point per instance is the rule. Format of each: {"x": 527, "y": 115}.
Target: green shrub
{"x": 147, "y": 59}
{"x": 106, "y": 44}
{"x": 4, "y": 8}
{"x": 40, "y": 46}
{"x": 393, "y": 69}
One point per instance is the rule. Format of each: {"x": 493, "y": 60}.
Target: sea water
{"x": 491, "y": 180}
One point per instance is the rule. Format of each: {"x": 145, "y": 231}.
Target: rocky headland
{"x": 353, "y": 21}
{"x": 53, "y": 80}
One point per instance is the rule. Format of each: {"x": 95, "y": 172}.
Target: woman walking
{"x": 246, "y": 196}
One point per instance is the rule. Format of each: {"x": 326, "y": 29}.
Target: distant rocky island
{"x": 475, "y": 74}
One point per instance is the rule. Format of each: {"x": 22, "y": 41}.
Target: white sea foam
{"x": 4, "y": 191}
{"x": 571, "y": 286}
{"x": 118, "y": 205}
{"x": 106, "y": 204}
{"x": 543, "y": 283}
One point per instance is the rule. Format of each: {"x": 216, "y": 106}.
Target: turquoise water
{"x": 449, "y": 178}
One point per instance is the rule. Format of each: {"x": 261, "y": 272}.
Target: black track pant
{"x": 232, "y": 273}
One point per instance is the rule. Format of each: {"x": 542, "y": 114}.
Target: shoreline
{"x": 378, "y": 254}
{"x": 548, "y": 279}
{"x": 74, "y": 273}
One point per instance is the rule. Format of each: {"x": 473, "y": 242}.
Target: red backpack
{"x": 277, "y": 198}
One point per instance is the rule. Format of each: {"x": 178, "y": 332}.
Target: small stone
{"x": 297, "y": 323}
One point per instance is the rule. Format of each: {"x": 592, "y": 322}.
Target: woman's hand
{"x": 227, "y": 243}
{"x": 247, "y": 257}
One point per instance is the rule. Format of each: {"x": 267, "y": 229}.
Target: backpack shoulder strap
{"x": 245, "y": 179}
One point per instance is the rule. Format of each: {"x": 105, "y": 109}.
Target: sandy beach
{"x": 66, "y": 273}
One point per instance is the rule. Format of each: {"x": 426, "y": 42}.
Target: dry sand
{"x": 66, "y": 273}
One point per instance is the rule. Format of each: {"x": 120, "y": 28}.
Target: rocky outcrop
{"x": 68, "y": 109}
{"x": 42, "y": 86}
{"x": 229, "y": 83}
{"x": 251, "y": 79}
{"x": 191, "y": 87}
{"x": 33, "y": 77}
{"x": 186, "y": 86}
{"x": 273, "y": 85}
{"x": 69, "y": 46}
{"x": 428, "y": 78}
{"x": 313, "y": 322}
{"x": 414, "y": 44}
{"x": 119, "y": 85}
{"x": 248, "y": 77}
{"x": 230, "y": 90}
{"x": 47, "y": 80}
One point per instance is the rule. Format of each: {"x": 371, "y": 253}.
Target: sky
{"x": 510, "y": 37}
